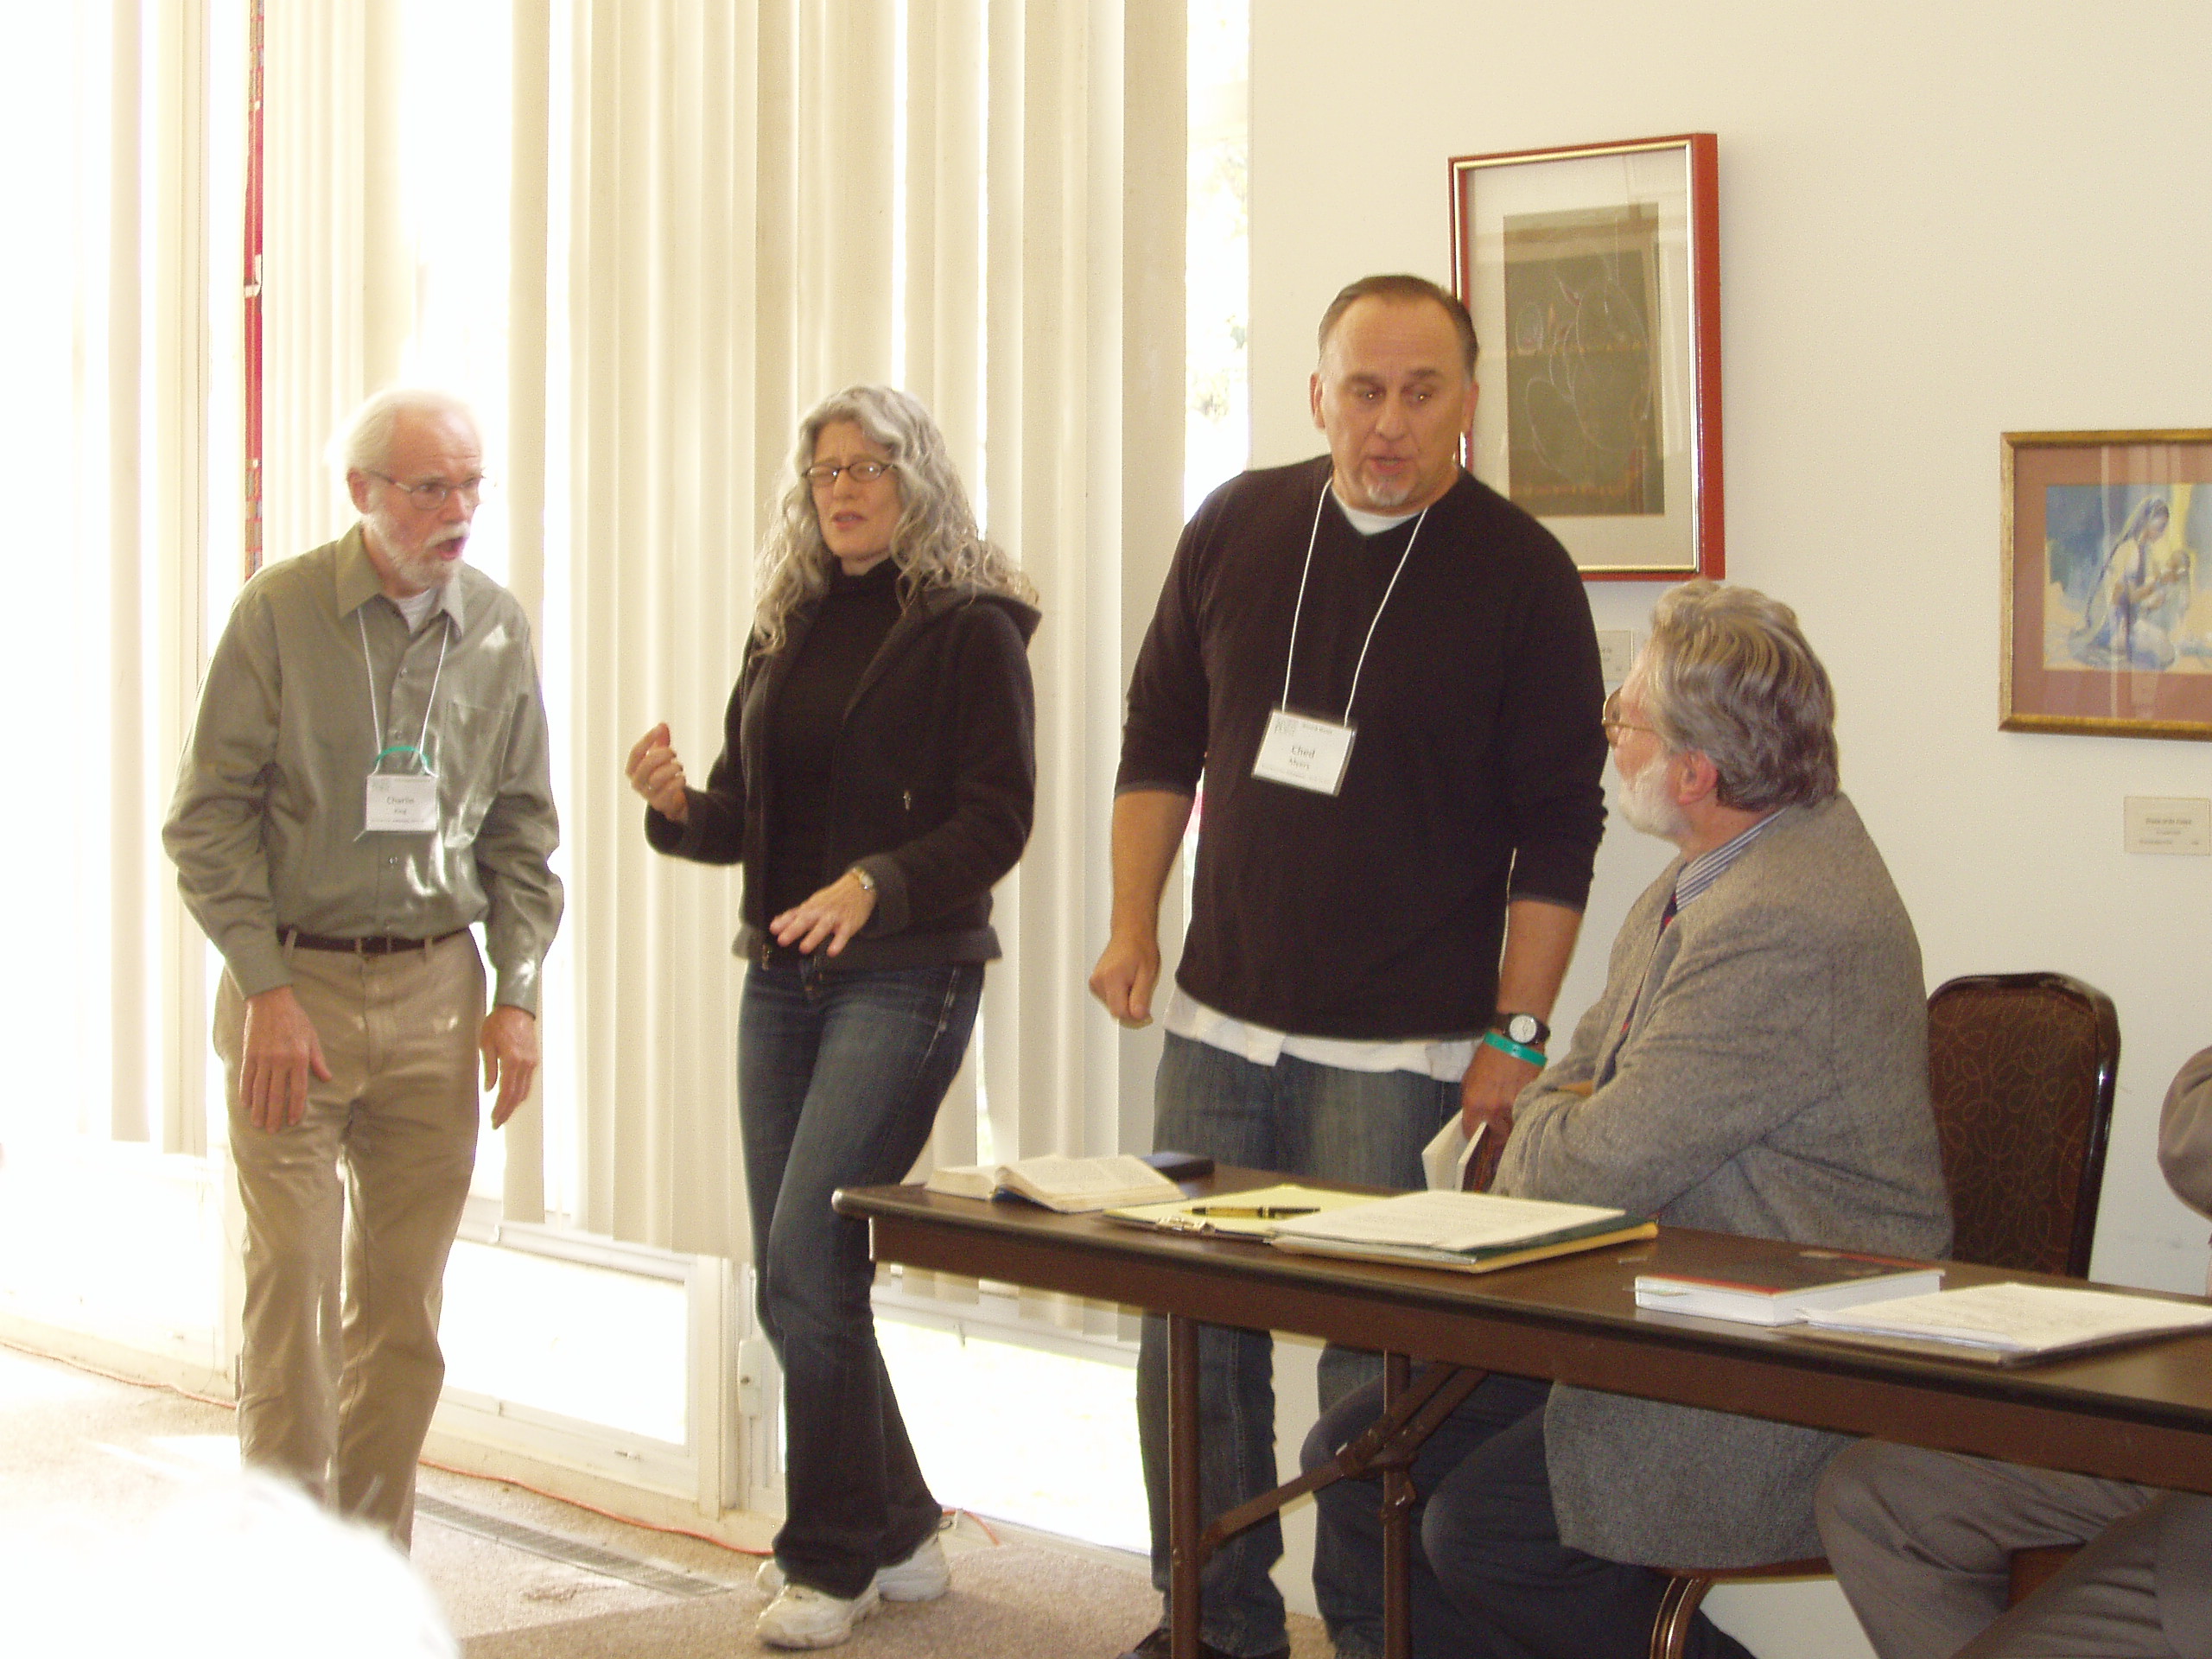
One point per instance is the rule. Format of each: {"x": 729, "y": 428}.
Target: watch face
{"x": 1525, "y": 1028}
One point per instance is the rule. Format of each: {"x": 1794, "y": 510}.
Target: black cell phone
{"x": 1181, "y": 1165}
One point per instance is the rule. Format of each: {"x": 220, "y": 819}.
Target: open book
{"x": 1469, "y": 1232}
{"x": 2008, "y": 1324}
{"x": 1067, "y": 1185}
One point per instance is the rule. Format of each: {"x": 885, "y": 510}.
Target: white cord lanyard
{"x": 1299, "y": 609}
{"x": 376, "y": 720}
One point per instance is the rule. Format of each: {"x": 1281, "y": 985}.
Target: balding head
{"x": 365, "y": 441}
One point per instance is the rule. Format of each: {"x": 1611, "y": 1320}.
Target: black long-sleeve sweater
{"x": 1376, "y": 913}
{"x": 931, "y": 785}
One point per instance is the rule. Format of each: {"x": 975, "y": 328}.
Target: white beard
{"x": 1389, "y": 497}
{"x": 1645, "y": 804}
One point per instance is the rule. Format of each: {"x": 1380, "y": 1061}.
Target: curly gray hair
{"x": 1728, "y": 673}
{"x": 936, "y": 543}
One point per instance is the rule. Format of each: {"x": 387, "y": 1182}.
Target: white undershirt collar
{"x": 1369, "y": 523}
{"x": 416, "y": 608}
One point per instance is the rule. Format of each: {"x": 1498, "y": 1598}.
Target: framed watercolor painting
{"x": 1593, "y": 274}
{"x": 2107, "y": 563}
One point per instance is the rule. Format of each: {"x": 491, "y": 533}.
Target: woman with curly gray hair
{"x": 934, "y": 543}
{"x": 878, "y": 775}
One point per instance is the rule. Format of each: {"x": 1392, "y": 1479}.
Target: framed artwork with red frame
{"x": 1593, "y": 275}
{"x": 2107, "y": 562}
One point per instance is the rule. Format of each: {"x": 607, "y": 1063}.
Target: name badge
{"x": 405, "y": 802}
{"x": 1304, "y": 753}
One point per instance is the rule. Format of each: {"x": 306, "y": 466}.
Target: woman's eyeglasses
{"x": 822, "y": 476}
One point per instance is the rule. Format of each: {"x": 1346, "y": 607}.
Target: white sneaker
{"x": 923, "y": 1576}
{"x": 805, "y": 1618}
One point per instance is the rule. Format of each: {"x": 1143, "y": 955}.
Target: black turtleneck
{"x": 850, "y": 626}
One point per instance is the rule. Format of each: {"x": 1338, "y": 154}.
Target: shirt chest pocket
{"x": 467, "y": 750}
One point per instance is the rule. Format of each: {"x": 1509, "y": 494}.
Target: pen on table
{"x": 1247, "y": 1212}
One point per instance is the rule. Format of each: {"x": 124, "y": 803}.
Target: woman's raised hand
{"x": 656, "y": 775}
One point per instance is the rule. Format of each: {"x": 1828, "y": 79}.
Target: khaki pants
{"x": 341, "y": 1401}
{"x": 1922, "y": 1541}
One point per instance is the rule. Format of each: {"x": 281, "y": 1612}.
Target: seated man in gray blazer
{"x": 1757, "y": 1063}
{"x": 1922, "y": 1540}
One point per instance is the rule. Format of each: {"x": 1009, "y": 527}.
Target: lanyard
{"x": 376, "y": 720}
{"x": 1298, "y": 610}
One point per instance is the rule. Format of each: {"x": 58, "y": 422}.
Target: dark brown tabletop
{"x": 2140, "y": 1412}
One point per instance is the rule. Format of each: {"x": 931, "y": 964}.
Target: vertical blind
{"x": 981, "y": 201}
{"x": 720, "y": 212}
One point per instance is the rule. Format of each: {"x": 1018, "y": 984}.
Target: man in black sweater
{"x": 1387, "y": 675}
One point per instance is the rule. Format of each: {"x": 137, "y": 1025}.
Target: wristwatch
{"x": 867, "y": 881}
{"x": 1524, "y": 1028}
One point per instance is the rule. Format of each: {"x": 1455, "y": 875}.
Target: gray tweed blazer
{"x": 1767, "y": 1073}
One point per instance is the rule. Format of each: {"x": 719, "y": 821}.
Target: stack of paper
{"x": 1471, "y": 1232}
{"x": 2009, "y": 1322}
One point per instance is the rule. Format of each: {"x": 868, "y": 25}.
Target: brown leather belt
{"x": 361, "y": 947}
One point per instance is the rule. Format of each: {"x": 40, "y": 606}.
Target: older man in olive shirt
{"x": 366, "y": 780}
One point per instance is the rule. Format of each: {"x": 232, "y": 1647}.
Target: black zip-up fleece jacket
{"x": 932, "y": 788}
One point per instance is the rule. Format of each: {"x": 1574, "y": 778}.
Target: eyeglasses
{"x": 1610, "y": 718}
{"x": 431, "y": 493}
{"x": 864, "y": 472}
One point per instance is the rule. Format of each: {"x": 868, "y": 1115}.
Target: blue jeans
{"x": 1491, "y": 1578}
{"x": 1301, "y": 1119}
{"x": 839, "y": 1077}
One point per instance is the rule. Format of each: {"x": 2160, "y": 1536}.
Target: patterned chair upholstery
{"x": 2022, "y": 1068}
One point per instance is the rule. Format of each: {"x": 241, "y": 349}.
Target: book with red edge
{"x": 1769, "y": 1288}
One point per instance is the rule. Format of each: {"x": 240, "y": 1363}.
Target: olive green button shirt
{"x": 266, "y": 827}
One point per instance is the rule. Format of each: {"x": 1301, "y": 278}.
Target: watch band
{"x": 1522, "y": 1052}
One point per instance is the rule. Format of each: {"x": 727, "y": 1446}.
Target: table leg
{"x": 1183, "y": 1516}
{"x": 1397, "y": 1541}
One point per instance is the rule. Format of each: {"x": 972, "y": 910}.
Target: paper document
{"x": 1448, "y": 1221}
{"x": 2016, "y": 1318}
{"x": 1443, "y": 1160}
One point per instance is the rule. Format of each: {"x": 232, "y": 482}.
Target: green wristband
{"x": 1498, "y": 1040}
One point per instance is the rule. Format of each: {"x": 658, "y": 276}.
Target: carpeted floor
{"x": 1015, "y": 1599}
{"x": 520, "y": 1576}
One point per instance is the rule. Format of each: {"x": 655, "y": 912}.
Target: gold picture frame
{"x": 2108, "y": 583}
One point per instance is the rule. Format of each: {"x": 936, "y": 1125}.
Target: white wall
{"x": 1938, "y": 223}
